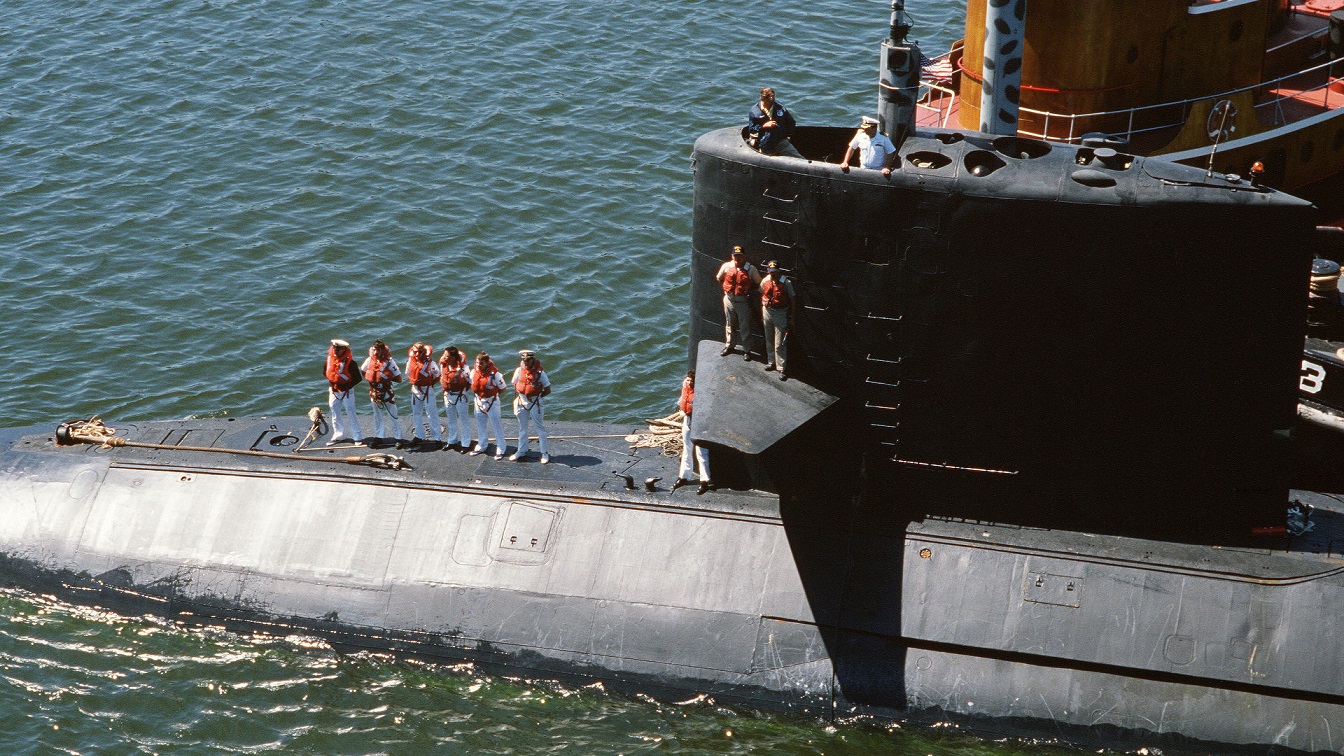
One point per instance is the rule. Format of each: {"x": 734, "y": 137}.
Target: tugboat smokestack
{"x": 898, "y": 78}
{"x": 1000, "y": 96}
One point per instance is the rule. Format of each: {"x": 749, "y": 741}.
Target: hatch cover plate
{"x": 1058, "y": 590}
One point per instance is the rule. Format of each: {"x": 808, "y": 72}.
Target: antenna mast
{"x": 898, "y": 77}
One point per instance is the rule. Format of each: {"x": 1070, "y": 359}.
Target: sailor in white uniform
{"x": 455, "y": 378}
{"x": 381, "y": 371}
{"x": 423, "y": 373}
{"x": 531, "y": 386}
{"x": 342, "y": 377}
{"x": 487, "y": 384}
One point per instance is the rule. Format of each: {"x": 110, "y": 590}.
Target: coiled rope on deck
{"x": 664, "y": 433}
{"x": 95, "y": 431}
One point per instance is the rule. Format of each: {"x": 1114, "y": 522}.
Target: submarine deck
{"x": 589, "y": 462}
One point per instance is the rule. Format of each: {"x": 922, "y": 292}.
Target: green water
{"x": 81, "y": 681}
{"x": 198, "y": 194}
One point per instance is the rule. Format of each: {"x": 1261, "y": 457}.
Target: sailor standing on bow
{"x": 423, "y": 373}
{"x": 487, "y": 384}
{"x": 342, "y": 377}
{"x": 455, "y": 377}
{"x": 531, "y": 384}
{"x": 381, "y": 371}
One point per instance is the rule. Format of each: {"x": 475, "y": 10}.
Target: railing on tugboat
{"x": 937, "y": 101}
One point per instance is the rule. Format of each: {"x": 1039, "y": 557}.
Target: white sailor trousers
{"x": 457, "y": 408}
{"x": 487, "y": 413}
{"x": 529, "y": 412}
{"x": 688, "y": 463}
{"x": 344, "y": 421}
{"x": 425, "y": 413}
{"x": 385, "y": 419}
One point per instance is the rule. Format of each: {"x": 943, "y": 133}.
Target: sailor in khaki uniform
{"x": 777, "y": 311}
{"x": 738, "y": 278}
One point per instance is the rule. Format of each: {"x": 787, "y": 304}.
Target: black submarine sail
{"x": 1006, "y": 486}
{"x": 1025, "y": 331}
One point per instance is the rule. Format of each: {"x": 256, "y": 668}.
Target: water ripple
{"x": 196, "y": 188}
{"x": 78, "y": 680}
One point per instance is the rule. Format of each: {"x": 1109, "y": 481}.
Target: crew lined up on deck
{"x": 449, "y": 375}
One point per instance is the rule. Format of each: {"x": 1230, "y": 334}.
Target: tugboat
{"x": 1003, "y": 483}
{"x": 1321, "y": 387}
{"x": 1232, "y": 82}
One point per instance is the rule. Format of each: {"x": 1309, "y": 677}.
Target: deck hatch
{"x": 1057, "y": 590}
{"x": 527, "y": 529}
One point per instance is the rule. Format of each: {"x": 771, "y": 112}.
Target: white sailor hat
{"x": 340, "y": 343}
{"x": 525, "y": 353}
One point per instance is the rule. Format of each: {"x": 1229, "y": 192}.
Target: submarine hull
{"x": 554, "y": 570}
{"x": 564, "y": 573}
{"x": 996, "y": 508}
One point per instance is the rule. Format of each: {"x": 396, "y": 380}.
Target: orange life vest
{"x": 454, "y": 377}
{"x": 687, "y": 396}
{"x": 380, "y": 386}
{"x": 415, "y": 370}
{"x": 374, "y": 374}
{"x": 773, "y": 294}
{"x": 481, "y": 383}
{"x": 528, "y": 382}
{"x": 737, "y": 281}
{"x": 340, "y": 372}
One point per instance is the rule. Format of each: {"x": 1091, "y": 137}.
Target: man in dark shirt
{"x": 769, "y": 126}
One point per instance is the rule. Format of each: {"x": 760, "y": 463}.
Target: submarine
{"x": 1034, "y": 469}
